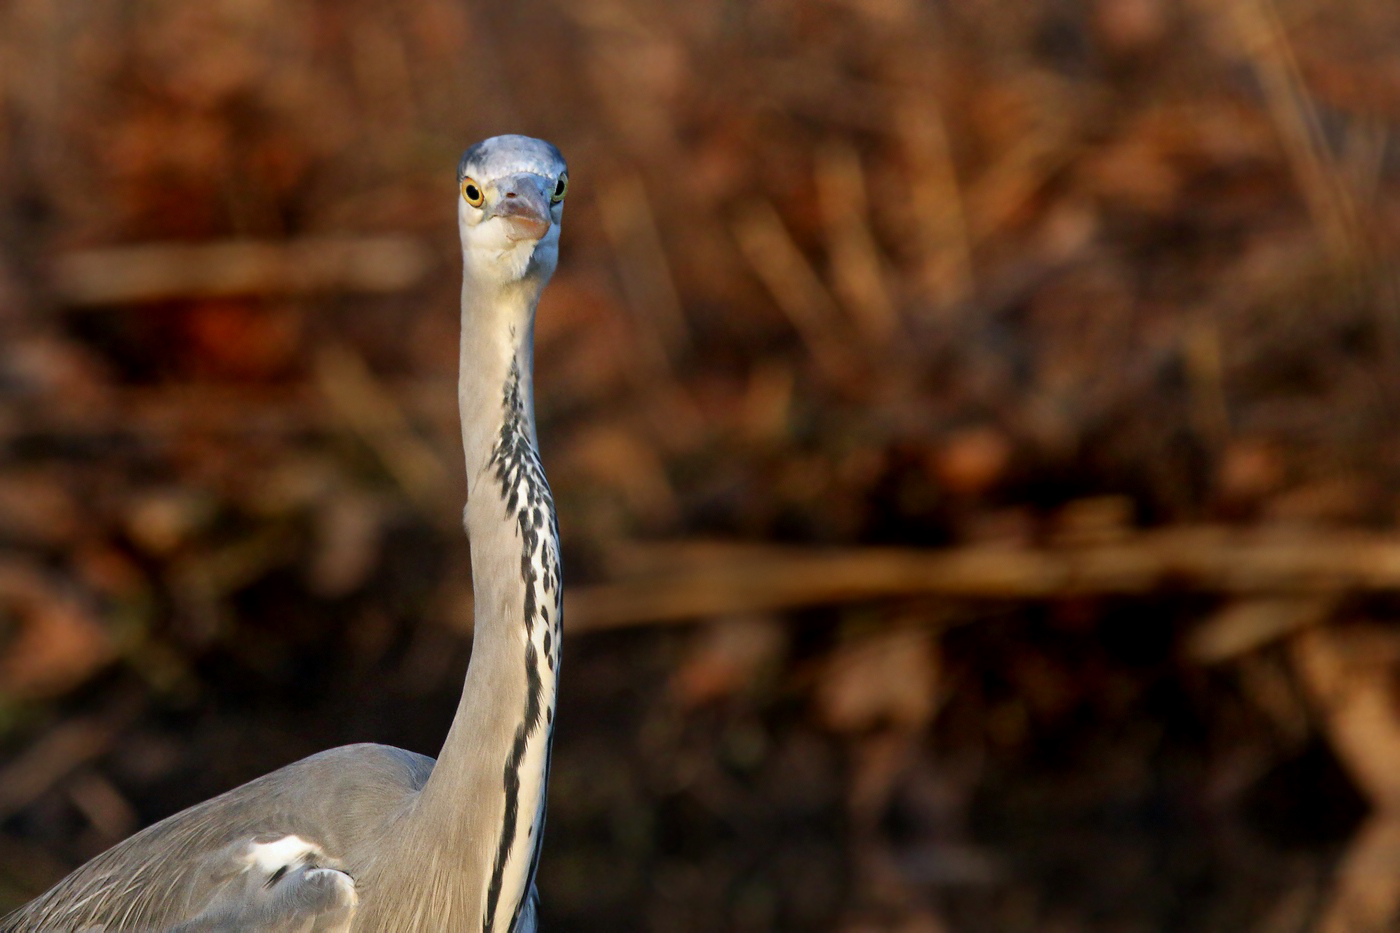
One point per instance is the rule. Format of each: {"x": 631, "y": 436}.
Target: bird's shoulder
{"x": 278, "y": 849}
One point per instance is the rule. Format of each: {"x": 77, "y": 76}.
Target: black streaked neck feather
{"x": 482, "y": 809}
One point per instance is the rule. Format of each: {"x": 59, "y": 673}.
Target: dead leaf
{"x": 348, "y": 532}
{"x": 972, "y": 460}
{"x": 885, "y": 679}
{"x": 58, "y": 643}
{"x": 726, "y": 656}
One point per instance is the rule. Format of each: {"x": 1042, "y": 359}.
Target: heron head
{"x": 510, "y": 200}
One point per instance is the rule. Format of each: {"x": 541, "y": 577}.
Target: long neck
{"x": 483, "y": 807}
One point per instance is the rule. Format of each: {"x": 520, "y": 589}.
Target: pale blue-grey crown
{"x": 507, "y": 155}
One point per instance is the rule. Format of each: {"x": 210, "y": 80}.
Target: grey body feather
{"x": 373, "y": 839}
{"x": 184, "y": 875}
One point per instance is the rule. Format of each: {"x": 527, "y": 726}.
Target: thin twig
{"x": 937, "y": 200}
{"x": 796, "y": 288}
{"x": 645, "y": 272}
{"x": 374, "y": 414}
{"x": 857, "y": 272}
{"x": 1323, "y": 187}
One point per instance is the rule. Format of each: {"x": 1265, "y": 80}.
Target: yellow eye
{"x": 472, "y": 193}
{"x": 561, "y": 188}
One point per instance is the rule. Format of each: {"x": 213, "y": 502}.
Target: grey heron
{"x": 370, "y": 837}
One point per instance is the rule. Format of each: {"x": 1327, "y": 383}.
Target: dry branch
{"x": 687, "y": 582}
{"x": 1246, "y": 624}
{"x": 224, "y": 410}
{"x": 164, "y": 271}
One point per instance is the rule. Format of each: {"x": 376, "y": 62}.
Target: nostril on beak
{"x": 525, "y": 209}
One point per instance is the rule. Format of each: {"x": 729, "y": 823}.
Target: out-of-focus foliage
{"x": 986, "y": 273}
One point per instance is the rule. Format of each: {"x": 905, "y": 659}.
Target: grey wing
{"x": 268, "y": 883}
{"x": 274, "y": 884}
{"x": 529, "y": 912}
{"x": 278, "y": 853}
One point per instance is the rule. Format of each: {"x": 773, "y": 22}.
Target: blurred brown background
{"x": 974, "y": 425}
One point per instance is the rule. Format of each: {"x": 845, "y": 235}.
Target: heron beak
{"x": 524, "y": 208}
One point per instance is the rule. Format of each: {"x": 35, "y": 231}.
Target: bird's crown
{"x": 504, "y": 155}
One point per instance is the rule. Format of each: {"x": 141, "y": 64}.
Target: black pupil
{"x": 559, "y": 188}
{"x": 472, "y": 193}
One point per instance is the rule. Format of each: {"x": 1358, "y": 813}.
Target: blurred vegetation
{"x": 986, "y": 281}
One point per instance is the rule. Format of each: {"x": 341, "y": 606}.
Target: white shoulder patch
{"x": 267, "y": 857}
{"x": 277, "y": 884}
